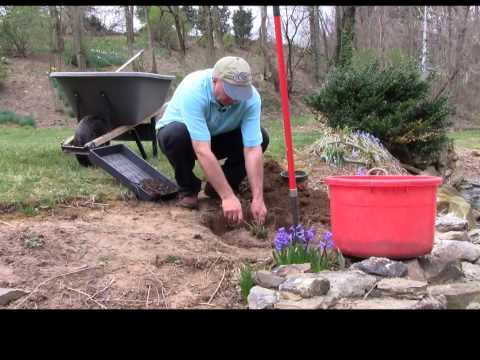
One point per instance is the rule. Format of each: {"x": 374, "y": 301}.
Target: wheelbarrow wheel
{"x": 89, "y": 128}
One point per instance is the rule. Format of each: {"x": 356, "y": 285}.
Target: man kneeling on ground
{"x": 215, "y": 114}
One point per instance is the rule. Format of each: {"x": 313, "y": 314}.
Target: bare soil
{"x": 135, "y": 254}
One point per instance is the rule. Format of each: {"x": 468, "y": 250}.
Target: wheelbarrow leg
{"x": 154, "y": 137}
{"x": 139, "y": 143}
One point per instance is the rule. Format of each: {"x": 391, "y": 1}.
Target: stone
{"x": 474, "y": 236}
{"x": 438, "y": 302}
{"x": 451, "y": 250}
{"x": 473, "y": 306}
{"x": 451, "y": 272}
{"x": 375, "y": 303}
{"x": 261, "y": 298}
{"x": 476, "y": 152}
{"x": 316, "y": 302}
{"x": 291, "y": 270}
{"x": 430, "y": 171}
{"x": 451, "y": 201}
{"x": 450, "y": 222}
{"x": 415, "y": 271}
{"x": 348, "y": 283}
{"x": 399, "y": 287}
{"x": 306, "y": 286}
{"x": 382, "y": 267}
{"x": 471, "y": 271}
{"x": 287, "y": 295}
{"x": 9, "y": 295}
{"x": 458, "y": 295}
{"x": 266, "y": 279}
{"x": 453, "y": 235}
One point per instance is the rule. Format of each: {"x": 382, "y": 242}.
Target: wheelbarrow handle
{"x": 130, "y": 60}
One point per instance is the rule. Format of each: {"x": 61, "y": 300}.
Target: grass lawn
{"x": 37, "y": 174}
{"x": 466, "y": 139}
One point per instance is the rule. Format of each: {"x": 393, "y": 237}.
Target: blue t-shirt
{"x": 193, "y": 103}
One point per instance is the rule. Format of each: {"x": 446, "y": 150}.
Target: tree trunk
{"x": 211, "y": 46}
{"x": 57, "y": 48}
{"x": 77, "y": 14}
{"x": 129, "y": 11}
{"x": 314, "y": 37}
{"x": 150, "y": 39}
{"x": 58, "y": 44}
{"x": 345, "y": 24}
{"x": 263, "y": 41}
{"x": 217, "y": 29}
{"x": 324, "y": 36}
{"x": 338, "y": 31}
{"x": 175, "y": 11}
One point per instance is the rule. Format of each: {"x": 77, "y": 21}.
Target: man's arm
{"x": 254, "y": 166}
{"x": 232, "y": 209}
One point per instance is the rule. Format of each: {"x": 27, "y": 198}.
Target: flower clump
{"x": 294, "y": 246}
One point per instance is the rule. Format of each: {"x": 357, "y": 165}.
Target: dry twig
{"x": 369, "y": 291}
{"x": 50, "y": 279}
{"x": 160, "y": 282}
{"x": 105, "y": 288}
{"x": 148, "y": 296}
{"x": 6, "y": 223}
{"x": 89, "y": 297}
{"x": 218, "y": 287}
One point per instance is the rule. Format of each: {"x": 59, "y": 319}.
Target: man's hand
{"x": 232, "y": 209}
{"x": 259, "y": 211}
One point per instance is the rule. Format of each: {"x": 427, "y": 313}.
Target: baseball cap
{"x": 236, "y": 76}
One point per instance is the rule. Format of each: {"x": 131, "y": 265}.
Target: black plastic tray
{"x": 124, "y": 165}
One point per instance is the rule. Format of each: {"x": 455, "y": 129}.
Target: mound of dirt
{"x": 313, "y": 207}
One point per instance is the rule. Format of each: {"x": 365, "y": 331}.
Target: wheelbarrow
{"x": 114, "y": 106}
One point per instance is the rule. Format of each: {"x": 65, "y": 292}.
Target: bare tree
{"x": 129, "y": 13}
{"x": 314, "y": 40}
{"x": 217, "y": 29}
{"x": 211, "y": 46}
{"x": 294, "y": 20}
{"x": 150, "y": 38}
{"x": 58, "y": 44}
{"x": 176, "y": 13}
{"x": 77, "y": 14}
{"x": 345, "y": 17}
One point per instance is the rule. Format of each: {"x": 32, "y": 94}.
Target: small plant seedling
{"x": 171, "y": 259}
{"x": 33, "y": 241}
{"x": 257, "y": 230}
{"x": 246, "y": 281}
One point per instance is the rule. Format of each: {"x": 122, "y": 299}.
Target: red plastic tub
{"x": 384, "y": 216}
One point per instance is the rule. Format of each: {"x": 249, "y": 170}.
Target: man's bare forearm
{"x": 254, "y": 166}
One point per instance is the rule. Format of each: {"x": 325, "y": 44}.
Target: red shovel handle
{"x": 292, "y": 183}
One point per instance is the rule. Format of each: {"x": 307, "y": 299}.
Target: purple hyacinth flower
{"x": 282, "y": 239}
{"x": 361, "y": 171}
{"x": 328, "y": 237}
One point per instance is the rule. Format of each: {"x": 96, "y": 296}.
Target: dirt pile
{"x": 313, "y": 207}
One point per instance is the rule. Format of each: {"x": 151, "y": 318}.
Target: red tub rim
{"x": 384, "y": 180}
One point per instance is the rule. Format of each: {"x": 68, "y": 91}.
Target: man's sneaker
{"x": 210, "y": 191}
{"x": 188, "y": 202}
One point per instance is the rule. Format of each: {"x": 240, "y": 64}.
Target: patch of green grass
{"x": 469, "y": 139}
{"x": 246, "y": 281}
{"x": 37, "y": 174}
{"x": 9, "y": 117}
{"x": 302, "y": 135}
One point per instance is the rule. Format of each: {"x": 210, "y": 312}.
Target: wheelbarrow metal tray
{"x": 124, "y": 165}
{"x": 133, "y": 96}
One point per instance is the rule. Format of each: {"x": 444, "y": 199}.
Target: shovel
{"x": 292, "y": 183}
